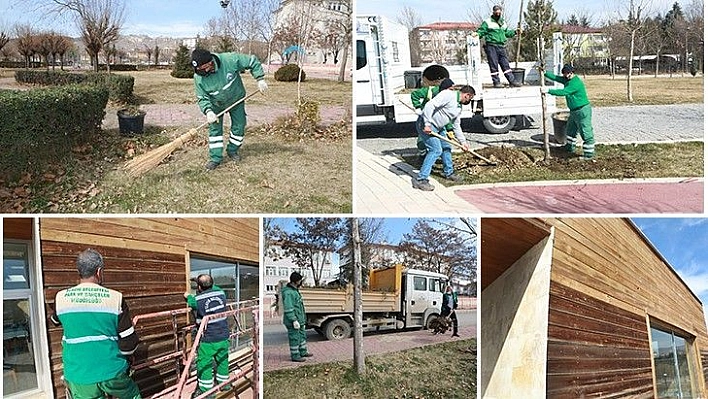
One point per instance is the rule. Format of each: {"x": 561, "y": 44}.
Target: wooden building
{"x": 149, "y": 260}
{"x": 580, "y": 308}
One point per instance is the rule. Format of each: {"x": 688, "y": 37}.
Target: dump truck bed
{"x": 322, "y": 300}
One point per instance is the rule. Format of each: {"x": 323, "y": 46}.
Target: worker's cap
{"x": 200, "y": 57}
{"x": 496, "y": 8}
{"x": 446, "y": 84}
{"x": 295, "y": 277}
{"x": 567, "y": 68}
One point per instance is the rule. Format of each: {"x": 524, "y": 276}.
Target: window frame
{"x": 690, "y": 352}
{"x": 35, "y": 296}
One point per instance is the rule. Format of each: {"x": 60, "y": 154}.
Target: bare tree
{"x": 4, "y": 39}
{"x": 148, "y": 53}
{"x": 359, "y": 357}
{"x": 694, "y": 16}
{"x": 25, "y": 42}
{"x": 156, "y": 52}
{"x": 99, "y": 21}
{"x": 634, "y": 11}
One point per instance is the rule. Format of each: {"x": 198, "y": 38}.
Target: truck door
{"x": 417, "y": 294}
{"x": 368, "y": 87}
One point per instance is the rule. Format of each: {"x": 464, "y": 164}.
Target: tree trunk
{"x": 343, "y": 65}
{"x": 630, "y": 66}
{"x": 358, "y": 331}
{"x": 656, "y": 68}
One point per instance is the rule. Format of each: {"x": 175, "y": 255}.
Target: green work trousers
{"x": 208, "y": 353}
{"x": 120, "y": 387}
{"x": 580, "y": 121}
{"x": 298, "y": 342}
{"x": 216, "y": 133}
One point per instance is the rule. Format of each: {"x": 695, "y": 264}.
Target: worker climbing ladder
{"x": 243, "y": 366}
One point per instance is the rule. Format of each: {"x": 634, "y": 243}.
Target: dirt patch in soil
{"x": 611, "y": 162}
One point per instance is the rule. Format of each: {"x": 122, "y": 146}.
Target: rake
{"x": 453, "y": 142}
{"x": 143, "y": 163}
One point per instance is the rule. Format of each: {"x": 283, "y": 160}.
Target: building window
{"x": 284, "y": 272}
{"x": 419, "y": 283}
{"x": 671, "y": 363}
{"x": 270, "y": 288}
{"x": 239, "y": 281}
{"x": 394, "y": 50}
{"x": 19, "y": 353}
{"x": 270, "y": 271}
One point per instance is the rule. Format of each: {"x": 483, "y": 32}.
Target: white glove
{"x": 262, "y": 86}
{"x": 211, "y": 117}
{"x": 296, "y": 325}
{"x": 418, "y": 111}
{"x": 544, "y": 89}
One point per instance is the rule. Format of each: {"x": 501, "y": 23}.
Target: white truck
{"x": 397, "y": 298}
{"x": 383, "y": 59}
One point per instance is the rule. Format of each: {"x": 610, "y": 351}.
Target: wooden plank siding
{"x": 17, "y": 228}
{"x": 145, "y": 259}
{"x": 605, "y": 281}
{"x": 595, "y": 349}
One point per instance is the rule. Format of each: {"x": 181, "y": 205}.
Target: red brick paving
{"x": 629, "y": 197}
{"x": 189, "y": 116}
{"x": 276, "y": 357}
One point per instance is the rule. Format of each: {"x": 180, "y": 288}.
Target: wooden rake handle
{"x": 453, "y": 142}
{"x": 229, "y": 108}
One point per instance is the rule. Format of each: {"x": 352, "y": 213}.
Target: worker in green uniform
{"x": 218, "y": 84}
{"x": 419, "y": 98}
{"x": 580, "y": 119}
{"x": 494, "y": 31}
{"x": 98, "y": 334}
{"x": 214, "y": 343}
{"x": 294, "y": 318}
{"x": 449, "y": 304}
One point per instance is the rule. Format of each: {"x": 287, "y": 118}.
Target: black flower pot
{"x": 131, "y": 122}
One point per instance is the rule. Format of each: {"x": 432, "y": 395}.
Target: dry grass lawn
{"x": 158, "y": 87}
{"x": 447, "y": 370}
{"x": 647, "y": 90}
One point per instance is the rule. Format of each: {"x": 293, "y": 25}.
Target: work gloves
{"x": 211, "y": 117}
{"x": 262, "y": 86}
{"x": 418, "y": 111}
{"x": 296, "y": 325}
{"x": 544, "y": 89}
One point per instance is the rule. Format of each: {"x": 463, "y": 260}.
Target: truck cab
{"x": 383, "y": 62}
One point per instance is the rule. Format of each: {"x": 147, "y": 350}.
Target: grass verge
{"x": 446, "y": 370}
{"x": 611, "y": 162}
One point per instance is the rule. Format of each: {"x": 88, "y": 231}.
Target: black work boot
{"x": 235, "y": 157}
{"x": 211, "y": 165}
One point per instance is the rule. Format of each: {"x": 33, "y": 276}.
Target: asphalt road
{"x": 626, "y": 124}
{"x": 275, "y": 334}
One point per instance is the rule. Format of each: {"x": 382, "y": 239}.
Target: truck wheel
{"x": 318, "y": 330}
{"x": 429, "y": 321}
{"x": 499, "y": 124}
{"x": 337, "y": 329}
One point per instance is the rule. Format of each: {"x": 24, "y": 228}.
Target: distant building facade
{"x": 441, "y": 43}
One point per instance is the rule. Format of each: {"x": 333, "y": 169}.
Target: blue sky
{"x": 683, "y": 244}
{"x": 458, "y": 10}
{"x": 177, "y": 18}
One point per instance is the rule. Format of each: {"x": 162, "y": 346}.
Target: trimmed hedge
{"x": 289, "y": 73}
{"x": 43, "y": 125}
{"x": 120, "y": 87}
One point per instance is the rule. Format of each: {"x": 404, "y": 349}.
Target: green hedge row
{"x": 120, "y": 87}
{"x": 42, "y": 125}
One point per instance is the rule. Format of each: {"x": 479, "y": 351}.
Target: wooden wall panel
{"x": 595, "y": 349}
{"x": 608, "y": 260}
{"x": 17, "y": 228}
{"x": 145, "y": 260}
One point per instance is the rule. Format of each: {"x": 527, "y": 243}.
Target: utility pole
{"x": 358, "y": 332}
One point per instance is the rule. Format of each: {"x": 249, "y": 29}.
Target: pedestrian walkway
{"x": 590, "y": 196}
{"x": 189, "y": 115}
{"x": 276, "y": 357}
{"x": 384, "y": 185}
